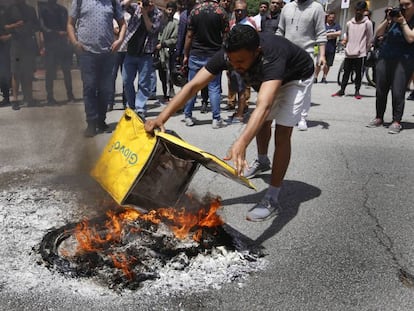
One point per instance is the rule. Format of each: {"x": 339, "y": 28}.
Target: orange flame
{"x": 92, "y": 238}
{"x": 121, "y": 261}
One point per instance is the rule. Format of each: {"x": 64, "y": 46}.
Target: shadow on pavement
{"x": 292, "y": 195}
{"x": 324, "y": 125}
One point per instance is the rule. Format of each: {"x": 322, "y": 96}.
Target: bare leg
{"x": 317, "y": 70}
{"x": 325, "y": 71}
{"x": 241, "y": 105}
{"x": 263, "y": 137}
{"x": 281, "y": 157}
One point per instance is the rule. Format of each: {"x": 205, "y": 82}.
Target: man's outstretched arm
{"x": 201, "y": 79}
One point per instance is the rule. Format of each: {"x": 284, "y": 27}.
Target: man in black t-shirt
{"x": 282, "y": 74}
{"x": 22, "y": 23}
{"x": 53, "y": 20}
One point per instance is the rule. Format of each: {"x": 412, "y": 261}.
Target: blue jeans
{"x": 98, "y": 87}
{"x": 195, "y": 63}
{"x": 143, "y": 66}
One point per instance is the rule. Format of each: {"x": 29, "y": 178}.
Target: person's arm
{"x": 5, "y": 37}
{"x": 265, "y": 99}
{"x": 201, "y": 79}
{"x": 172, "y": 40}
{"x": 370, "y": 35}
{"x": 280, "y": 31}
{"x": 187, "y": 46}
{"x": 333, "y": 35}
{"x": 408, "y": 33}
{"x": 117, "y": 43}
{"x": 71, "y": 34}
{"x": 14, "y": 25}
{"x": 383, "y": 26}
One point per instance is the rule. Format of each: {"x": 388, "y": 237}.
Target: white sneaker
{"x": 189, "y": 121}
{"x": 302, "y": 125}
{"x": 218, "y": 124}
{"x": 265, "y": 209}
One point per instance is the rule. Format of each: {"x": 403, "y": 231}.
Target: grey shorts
{"x": 289, "y": 102}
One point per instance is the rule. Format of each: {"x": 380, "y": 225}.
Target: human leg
{"x": 194, "y": 65}
{"x": 383, "y": 85}
{"x": 162, "y": 73}
{"x": 286, "y": 113}
{"x": 145, "y": 80}
{"x": 214, "y": 92}
{"x": 231, "y": 95}
{"x": 66, "y": 64}
{"x": 358, "y": 66}
{"x": 51, "y": 66}
{"x": 88, "y": 63}
{"x": 347, "y": 72}
{"x": 106, "y": 91}
{"x": 129, "y": 72}
{"x": 26, "y": 76}
{"x": 402, "y": 74}
{"x": 262, "y": 163}
{"x": 204, "y": 99}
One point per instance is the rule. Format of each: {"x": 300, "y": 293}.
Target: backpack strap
{"x": 78, "y": 8}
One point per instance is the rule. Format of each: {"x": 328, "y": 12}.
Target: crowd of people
{"x": 295, "y": 41}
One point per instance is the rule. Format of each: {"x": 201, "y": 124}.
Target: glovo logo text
{"x": 129, "y": 155}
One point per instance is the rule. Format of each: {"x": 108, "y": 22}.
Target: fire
{"x": 95, "y": 237}
{"x": 121, "y": 261}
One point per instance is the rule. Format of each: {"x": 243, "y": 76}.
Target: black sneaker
{"x": 339, "y": 93}
{"x": 15, "y": 106}
{"x": 102, "y": 127}
{"x": 203, "y": 107}
{"x": 324, "y": 81}
{"x": 51, "y": 102}
{"x": 5, "y": 102}
{"x": 90, "y": 131}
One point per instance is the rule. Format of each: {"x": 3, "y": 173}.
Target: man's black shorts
{"x": 329, "y": 58}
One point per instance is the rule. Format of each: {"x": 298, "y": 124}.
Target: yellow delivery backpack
{"x": 152, "y": 171}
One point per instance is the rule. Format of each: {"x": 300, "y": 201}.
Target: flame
{"x": 95, "y": 237}
{"x": 121, "y": 261}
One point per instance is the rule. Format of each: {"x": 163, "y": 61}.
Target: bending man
{"x": 282, "y": 74}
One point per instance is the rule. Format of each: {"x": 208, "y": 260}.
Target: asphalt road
{"x": 347, "y": 227}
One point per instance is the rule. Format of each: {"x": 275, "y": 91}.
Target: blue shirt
{"x": 94, "y": 26}
{"x": 331, "y": 43}
{"x": 395, "y": 46}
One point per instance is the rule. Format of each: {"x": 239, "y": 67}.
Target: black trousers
{"x": 54, "y": 57}
{"x": 392, "y": 75}
{"x": 5, "y": 74}
{"x": 350, "y": 64}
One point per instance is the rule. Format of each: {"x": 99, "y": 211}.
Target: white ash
{"x": 28, "y": 213}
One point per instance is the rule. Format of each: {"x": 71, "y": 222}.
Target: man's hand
{"x": 116, "y": 45}
{"x": 153, "y": 124}
{"x": 78, "y": 47}
{"x": 237, "y": 153}
{"x": 5, "y": 37}
{"x": 17, "y": 24}
{"x": 322, "y": 61}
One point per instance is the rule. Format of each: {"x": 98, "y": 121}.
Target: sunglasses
{"x": 239, "y": 11}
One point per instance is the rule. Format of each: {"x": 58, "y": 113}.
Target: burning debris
{"x": 126, "y": 247}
